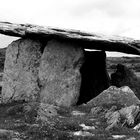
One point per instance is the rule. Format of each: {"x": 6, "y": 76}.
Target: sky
{"x": 109, "y": 17}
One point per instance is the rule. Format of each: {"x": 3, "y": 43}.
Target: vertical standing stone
{"x": 59, "y": 73}
{"x": 21, "y": 71}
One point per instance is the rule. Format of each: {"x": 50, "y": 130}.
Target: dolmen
{"x": 50, "y": 65}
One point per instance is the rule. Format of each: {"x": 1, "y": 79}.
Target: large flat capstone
{"x": 87, "y": 40}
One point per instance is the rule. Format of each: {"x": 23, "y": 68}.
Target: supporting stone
{"x": 59, "y": 73}
{"x": 21, "y": 71}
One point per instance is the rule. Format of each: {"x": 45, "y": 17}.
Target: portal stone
{"x": 21, "y": 71}
{"x": 59, "y": 73}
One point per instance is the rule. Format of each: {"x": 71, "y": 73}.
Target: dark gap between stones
{"x": 94, "y": 75}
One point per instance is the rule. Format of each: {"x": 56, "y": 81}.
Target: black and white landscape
{"x": 51, "y": 88}
{"x": 70, "y": 70}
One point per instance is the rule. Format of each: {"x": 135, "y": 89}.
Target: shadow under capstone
{"x": 94, "y": 75}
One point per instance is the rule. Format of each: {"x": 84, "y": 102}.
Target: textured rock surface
{"x": 8, "y": 134}
{"x": 59, "y": 73}
{"x": 95, "y": 78}
{"x": 113, "y": 95}
{"x": 125, "y": 77}
{"x": 128, "y": 116}
{"x": 87, "y": 40}
{"x": 45, "y": 111}
{"x": 21, "y": 71}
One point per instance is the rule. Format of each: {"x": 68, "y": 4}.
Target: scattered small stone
{"x": 34, "y": 125}
{"x": 122, "y": 96}
{"x": 97, "y": 123}
{"x": 76, "y": 113}
{"x": 131, "y": 138}
{"x": 87, "y": 127}
{"x": 137, "y": 127}
{"x": 92, "y": 119}
{"x": 8, "y": 133}
{"x": 45, "y": 111}
{"x": 118, "y": 136}
{"x": 96, "y": 110}
{"x": 83, "y": 133}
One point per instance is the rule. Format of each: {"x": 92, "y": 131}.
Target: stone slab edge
{"x": 89, "y": 40}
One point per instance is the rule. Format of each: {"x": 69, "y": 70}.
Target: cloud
{"x": 110, "y": 7}
{"x": 119, "y": 17}
{"x": 113, "y": 8}
{"x": 103, "y": 16}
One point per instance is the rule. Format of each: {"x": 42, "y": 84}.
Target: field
{"x": 18, "y": 120}
{"x": 132, "y": 63}
{"x": 69, "y": 124}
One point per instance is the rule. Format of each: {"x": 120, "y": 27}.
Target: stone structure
{"x": 50, "y": 65}
{"x": 120, "y": 96}
{"x": 47, "y": 71}
{"x": 59, "y": 73}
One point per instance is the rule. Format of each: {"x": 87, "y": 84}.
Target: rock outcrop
{"x": 123, "y": 96}
{"x": 45, "y": 111}
{"x": 126, "y": 77}
{"x": 118, "y": 106}
{"x": 128, "y": 116}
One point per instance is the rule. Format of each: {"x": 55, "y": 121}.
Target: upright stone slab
{"x": 21, "y": 71}
{"x": 59, "y": 73}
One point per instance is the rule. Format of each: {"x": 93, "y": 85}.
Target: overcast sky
{"x": 118, "y": 17}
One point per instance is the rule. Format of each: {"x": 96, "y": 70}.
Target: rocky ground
{"x": 118, "y": 119}
{"x": 132, "y": 63}
{"x": 76, "y": 123}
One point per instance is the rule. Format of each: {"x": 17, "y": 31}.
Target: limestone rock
{"x": 113, "y": 119}
{"x": 96, "y": 110}
{"x": 137, "y": 127}
{"x": 125, "y": 77}
{"x": 45, "y": 111}
{"x": 9, "y": 134}
{"x": 126, "y": 116}
{"x": 59, "y": 73}
{"x": 21, "y": 71}
{"x": 113, "y": 95}
{"x": 87, "y": 40}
